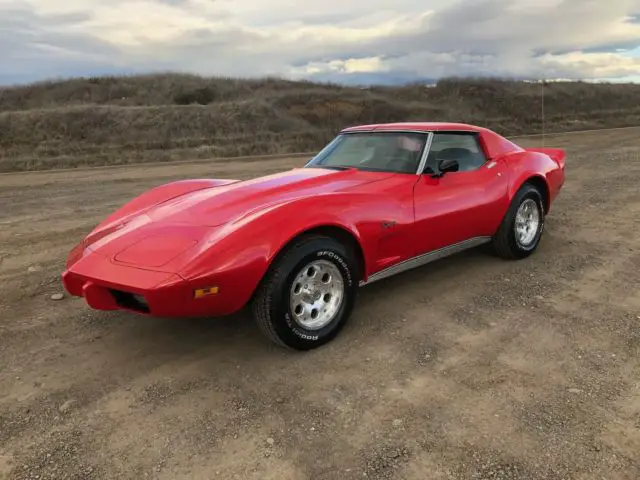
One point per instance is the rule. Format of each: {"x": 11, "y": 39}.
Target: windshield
{"x": 396, "y": 152}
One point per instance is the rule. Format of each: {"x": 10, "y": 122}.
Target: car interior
{"x": 393, "y": 156}
{"x": 467, "y": 160}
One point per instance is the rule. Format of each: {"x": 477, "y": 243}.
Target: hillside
{"x": 114, "y": 120}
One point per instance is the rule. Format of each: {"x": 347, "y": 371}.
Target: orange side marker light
{"x": 205, "y": 292}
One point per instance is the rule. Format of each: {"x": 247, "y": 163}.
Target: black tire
{"x": 271, "y": 307}
{"x": 505, "y": 242}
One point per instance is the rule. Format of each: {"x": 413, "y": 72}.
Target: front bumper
{"x": 108, "y": 286}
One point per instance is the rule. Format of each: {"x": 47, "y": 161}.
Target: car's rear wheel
{"x": 308, "y": 293}
{"x": 521, "y": 229}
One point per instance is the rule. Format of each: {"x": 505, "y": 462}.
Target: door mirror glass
{"x": 448, "y": 165}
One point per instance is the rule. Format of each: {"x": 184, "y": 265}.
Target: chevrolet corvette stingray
{"x": 296, "y": 246}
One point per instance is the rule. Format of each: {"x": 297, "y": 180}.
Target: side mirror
{"x": 447, "y": 165}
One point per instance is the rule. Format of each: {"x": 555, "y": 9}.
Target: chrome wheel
{"x": 527, "y": 222}
{"x": 316, "y": 294}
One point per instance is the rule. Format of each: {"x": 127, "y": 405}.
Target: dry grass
{"x": 115, "y": 120}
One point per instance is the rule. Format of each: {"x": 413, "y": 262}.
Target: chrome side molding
{"x": 426, "y": 258}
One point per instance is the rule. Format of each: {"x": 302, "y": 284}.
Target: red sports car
{"x": 296, "y": 246}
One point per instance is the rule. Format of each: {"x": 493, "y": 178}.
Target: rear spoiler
{"x": 558, "y": 155}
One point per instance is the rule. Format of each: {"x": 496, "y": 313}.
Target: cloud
{"x": 330, "y": 40}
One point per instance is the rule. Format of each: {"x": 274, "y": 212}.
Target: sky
{"x": 352, "y": 41}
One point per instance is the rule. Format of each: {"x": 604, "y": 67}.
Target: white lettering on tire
{"x": 304, "y": 335}
{"x": 296, "y": 331}
{"x": 338, "y": 258}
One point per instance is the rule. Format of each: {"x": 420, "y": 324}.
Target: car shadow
{"x": 238, "y": 336}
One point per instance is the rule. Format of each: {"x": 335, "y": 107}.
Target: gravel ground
{"x": 470, "y": 368}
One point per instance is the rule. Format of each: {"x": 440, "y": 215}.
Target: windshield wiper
{"x": 335, "y": 167}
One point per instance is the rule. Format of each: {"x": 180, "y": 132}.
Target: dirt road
{"x": 471, "y": 368}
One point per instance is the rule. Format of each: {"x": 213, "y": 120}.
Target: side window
{"x": 463, "y": 147}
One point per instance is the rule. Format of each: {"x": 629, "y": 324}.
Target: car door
{"x": 454, "y": 207}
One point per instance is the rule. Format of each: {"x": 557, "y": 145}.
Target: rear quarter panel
{"x": 526, "y": 165}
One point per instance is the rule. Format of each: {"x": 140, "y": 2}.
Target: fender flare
{"x": 538, "y": 181}
{"x": 344, "y": 233}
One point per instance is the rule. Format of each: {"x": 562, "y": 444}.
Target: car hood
{"x": 217, "y": 206}
{"x": 159, "y": 235}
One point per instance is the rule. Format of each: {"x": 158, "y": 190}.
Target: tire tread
{"x": 501, "y": 241}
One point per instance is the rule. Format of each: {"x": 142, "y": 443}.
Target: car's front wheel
{"x": 521, "y": 229}
{"x": 308, "y": 293}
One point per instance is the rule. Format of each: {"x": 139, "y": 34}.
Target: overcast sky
{"x": 367, "y": 40}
